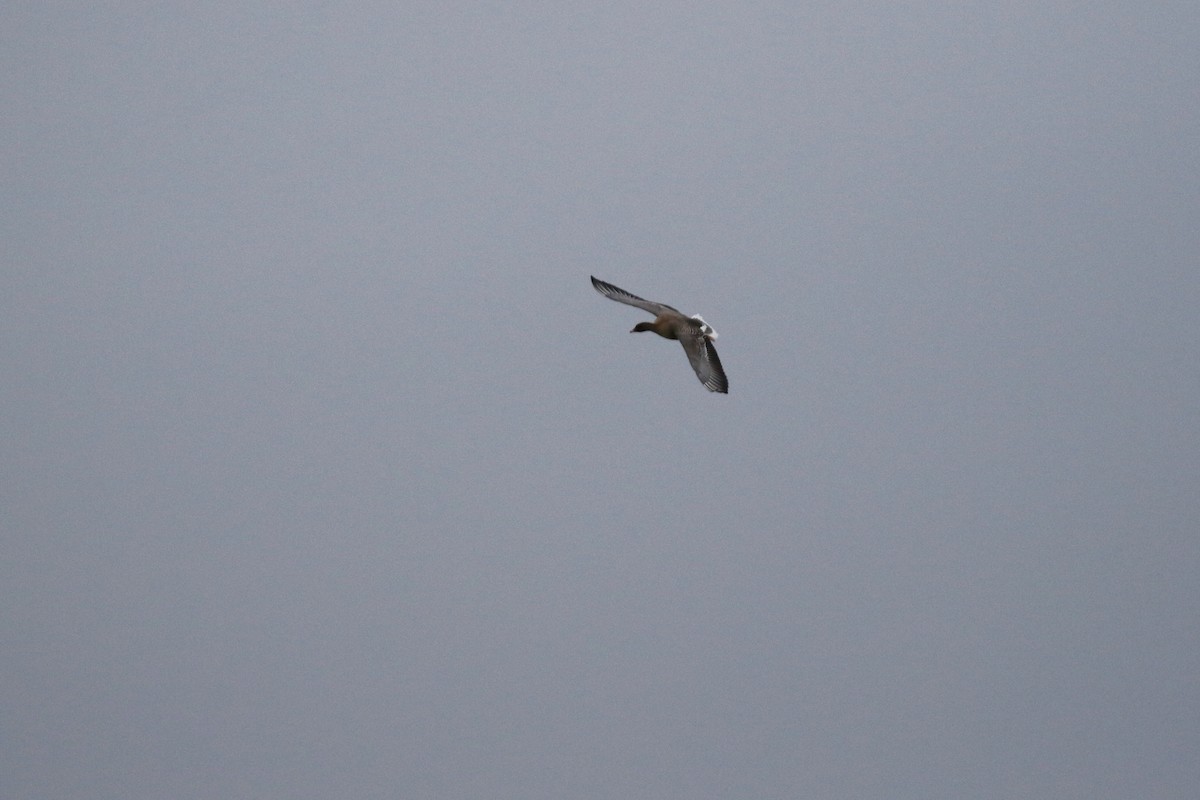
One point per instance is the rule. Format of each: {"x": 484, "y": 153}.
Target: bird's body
{"x": 693, "y": 333}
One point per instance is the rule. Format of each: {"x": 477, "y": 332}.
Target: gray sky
{"x": 327, "y": 474}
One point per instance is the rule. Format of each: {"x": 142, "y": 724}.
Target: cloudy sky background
{"x": 327, "y": 474}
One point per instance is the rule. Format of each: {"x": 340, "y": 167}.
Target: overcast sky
{"x": 326, "y": 473}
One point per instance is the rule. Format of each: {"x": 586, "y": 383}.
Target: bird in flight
{"x": 693, "y": 333}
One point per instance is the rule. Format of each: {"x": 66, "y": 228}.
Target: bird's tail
{"x": 705, "y": 328}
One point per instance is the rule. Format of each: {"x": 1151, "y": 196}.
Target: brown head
{"x": 664, "y": 325}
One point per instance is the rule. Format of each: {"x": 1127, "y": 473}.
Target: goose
{"x": 693, "y": 333}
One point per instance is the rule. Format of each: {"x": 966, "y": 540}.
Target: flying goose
{"x": 692, "y": 332}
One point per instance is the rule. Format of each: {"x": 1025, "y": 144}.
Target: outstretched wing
{"x": 703, "y": 358}
{"x": 622, "y": 296}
